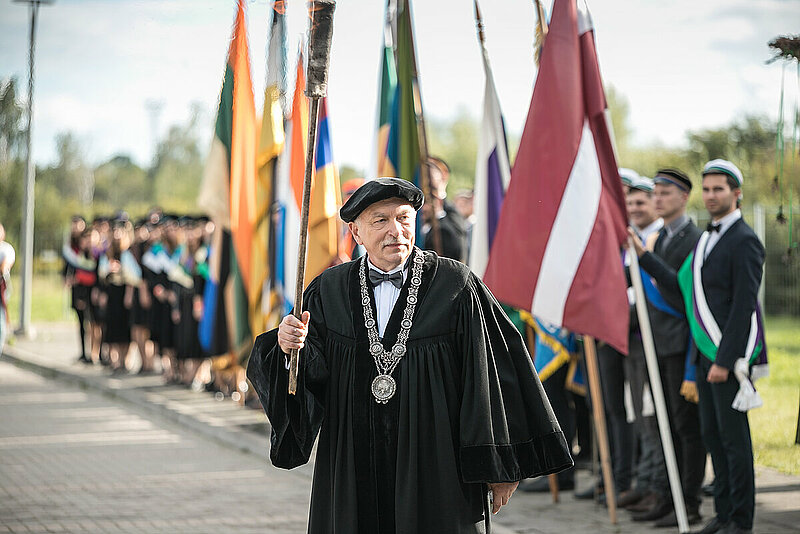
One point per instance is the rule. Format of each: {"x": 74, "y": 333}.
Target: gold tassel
{"x": 689, "y": 391}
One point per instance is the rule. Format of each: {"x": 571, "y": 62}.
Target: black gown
{"x": 469, "y": 408}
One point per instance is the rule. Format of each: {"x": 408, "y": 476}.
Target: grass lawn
{"x": 773, "y": 426}
{"x": 50, "y": 301}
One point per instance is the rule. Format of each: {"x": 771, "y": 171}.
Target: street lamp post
{"x": 30, "y": 179}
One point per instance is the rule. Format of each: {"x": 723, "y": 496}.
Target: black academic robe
{"x": 469, "y": 408}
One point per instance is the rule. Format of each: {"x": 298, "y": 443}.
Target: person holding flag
{"x": 719, "y": 283}
{"x": 673, "y": 244}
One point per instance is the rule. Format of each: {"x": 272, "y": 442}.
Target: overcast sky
{"x": 682, "y": 64}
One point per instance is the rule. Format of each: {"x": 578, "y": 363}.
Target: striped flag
{"x": 557, "y": 247}
{"x": 492, "y": 174}
{"x": 403, "y": 149}
{"x": 265, "y": 300}
{"x": 228, "y": 196}
{"x": 323, "y": 217}
{"x": 326, "y": 198}
{"x": 291, "y": 171}
{"x": 386, "y": 95}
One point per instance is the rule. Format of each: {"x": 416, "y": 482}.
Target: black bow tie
{"x": 714, "y": 227}
{"x": 396, "y": 278}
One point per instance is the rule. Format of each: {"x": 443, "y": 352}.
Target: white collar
{"x": 654, "y": 226}
{"x": 728, "y": 220}
{"x": 398, "y": 268}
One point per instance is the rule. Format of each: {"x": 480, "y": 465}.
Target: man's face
{"x": 641, "y": 210}
{"x": 670, "y": 200}
{"x": 386, "y": 229}
{"x": 718, "y": 196}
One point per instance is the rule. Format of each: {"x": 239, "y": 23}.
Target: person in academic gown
{"x": 468, "y": 409}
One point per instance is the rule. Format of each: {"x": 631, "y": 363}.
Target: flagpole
{"x": 422, "y": 136}
{"x": 657, "y": 391}
{"x": 319, "y": 46}
{"x": 598, "y": 411}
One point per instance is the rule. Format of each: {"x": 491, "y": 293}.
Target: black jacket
{"x": 731, "y": 278}
{"x": 670, "y": 333}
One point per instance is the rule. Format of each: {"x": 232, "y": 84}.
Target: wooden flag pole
{"x": 600, "y": 425}
{"x": 319, "y": 46}
{"x": 303, "y": 249}
{"x": 658, "y": 391}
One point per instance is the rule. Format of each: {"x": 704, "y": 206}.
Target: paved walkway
{"x": 82, "y": 451}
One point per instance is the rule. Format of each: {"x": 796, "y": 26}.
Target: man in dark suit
{"x": 732, "y": 264}
{"x": 671, "y": 335}
{"x": 450, "y": 225}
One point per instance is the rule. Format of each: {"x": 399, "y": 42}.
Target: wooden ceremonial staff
{"x": 319, "y": 48}
{"x": 600, "y": 424}
{"x": 657, "y": 391}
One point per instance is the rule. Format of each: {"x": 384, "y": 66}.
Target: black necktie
{"x": 396, "y": 278}
{"x": 714, "y": 227}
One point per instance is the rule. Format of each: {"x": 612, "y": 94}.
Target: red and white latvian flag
{"x": 557, "y": 247}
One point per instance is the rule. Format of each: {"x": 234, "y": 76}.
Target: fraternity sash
{"x": 706, "y": 332}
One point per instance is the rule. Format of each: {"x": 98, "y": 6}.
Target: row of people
{"x": 709, "y": 344}
{"x": 142, "y": 283}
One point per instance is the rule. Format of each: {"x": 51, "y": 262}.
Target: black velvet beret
{"x": 675, "y": 177}
{"x": 380, "y": 189}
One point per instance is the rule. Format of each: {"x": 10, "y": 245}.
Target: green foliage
{"x": 177, "y": 172}
{"x": 456, "y": 142}
{"x": 12, "y": 174}
{"x": 121, "y": 183}
{"x": 348, "y": 172}
{"x": 11, "y": 132}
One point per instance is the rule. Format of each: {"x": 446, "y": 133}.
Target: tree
{"x": 456, "y": 142}
{"x": 11, "y": 133}
{"x": 11, "y": 165}
{"x": 122, "y": 184}
{"x": 177, "y": 171}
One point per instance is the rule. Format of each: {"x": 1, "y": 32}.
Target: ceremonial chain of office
{"x": 384, "y": 386}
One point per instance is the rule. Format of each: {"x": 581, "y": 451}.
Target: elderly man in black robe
{"x": 420, "y": 388}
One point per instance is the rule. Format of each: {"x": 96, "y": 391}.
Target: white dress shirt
{"x": 385, "y": 296}
{"x": 725, "y": 223}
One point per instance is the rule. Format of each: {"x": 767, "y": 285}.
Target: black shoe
{"x": 713, "y": 526}
{"x": 647, "y": 502}
{"x": 671, "y": 519}
{"x": 542, "y": 485}
{"x": 660, "y": 509}
{"x": 630, "y": 497}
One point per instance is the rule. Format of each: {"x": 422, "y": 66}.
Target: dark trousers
{"x": 726, "y": 434}
{"x": 651, "y": 472}
{"x": 561, "y": 402}
{"x": 614, "y": 368}
{"x": 684, "y": 419}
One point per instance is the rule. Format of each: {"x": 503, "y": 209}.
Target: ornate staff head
{"x": 319, "y": 47}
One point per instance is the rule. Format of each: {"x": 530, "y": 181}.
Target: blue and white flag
{"x": 492, "y": 175}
